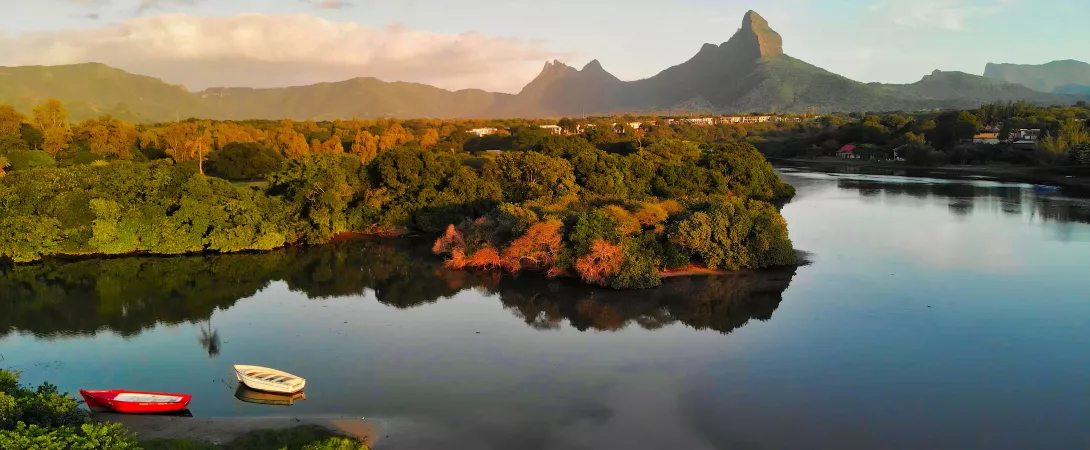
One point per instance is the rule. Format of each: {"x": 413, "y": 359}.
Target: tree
{"x": 331, "y": 146}
{"x": 601, "y": 263}
{"x": 225, "y": 133}
{"x": 244, "y": 161}
{"x": 365, "y": 146}
{"x": 106, "y": 136}
{"x": 430, "y": 138}
{"x": 187, "y": 141}
{"x": 4, "y": 164}
{"x": 289, "y": 142}
{"x": 52, "y": 119}
{"x": 394, "y": 136}
{"x": 11, "y": 121}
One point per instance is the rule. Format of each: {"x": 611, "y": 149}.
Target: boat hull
{"x": 266, "y": 386}
{"x": 109, "y": 400}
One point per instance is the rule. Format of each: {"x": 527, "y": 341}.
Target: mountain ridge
{"x": 748, "y": 72}
{"x": 1061, "y": 76}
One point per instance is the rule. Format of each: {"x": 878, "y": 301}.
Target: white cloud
{"x": 265, "y": 51}
{"x": 944, "y": 14}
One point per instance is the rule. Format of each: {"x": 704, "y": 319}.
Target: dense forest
{"x": 612, "y": 205}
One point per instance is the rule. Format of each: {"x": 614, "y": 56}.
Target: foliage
{"x": 244, "y": 161}
{"x": 537, "y": 202}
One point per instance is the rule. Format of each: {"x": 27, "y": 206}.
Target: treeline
{"x": 946, "y": 137}
{"x": 613, "y": 206}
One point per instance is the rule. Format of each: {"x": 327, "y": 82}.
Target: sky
{"x": 500, "y": 45}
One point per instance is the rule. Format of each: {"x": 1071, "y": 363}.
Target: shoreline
{"x": 221, "y": 430}
{"x": 1065, "y": 177}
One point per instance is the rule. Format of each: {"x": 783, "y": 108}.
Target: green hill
{"x": 360, "y": 97}
{"x": 90, "y": 90}
{"x": 1068, "y": 76}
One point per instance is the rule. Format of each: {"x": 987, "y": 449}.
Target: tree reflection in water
{"x": 128, "y": 295}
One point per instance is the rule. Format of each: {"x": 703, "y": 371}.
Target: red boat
{"x": 132, "y": 402}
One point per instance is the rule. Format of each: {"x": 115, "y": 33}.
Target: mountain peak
{"x": 756, "y": 32}
{"x": 594, "y": 65}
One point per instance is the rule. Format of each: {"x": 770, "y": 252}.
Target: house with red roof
{"x": 847, "y": 151}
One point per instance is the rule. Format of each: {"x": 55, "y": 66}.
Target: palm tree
{"x": 210, "y": 340}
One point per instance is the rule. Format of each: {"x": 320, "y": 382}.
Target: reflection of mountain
{"x": 964, "y": 197}
{"x": 128, "y": 295}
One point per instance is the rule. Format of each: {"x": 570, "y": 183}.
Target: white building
{"x": 554, "y": 129}
{"x": 701, "y": 120}
{"x": 482, "y": 132}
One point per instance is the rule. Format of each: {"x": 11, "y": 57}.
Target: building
{"x": 482, "y": 132}
{"x": 986, "y": 138}
{"x": 701, "y": 120}
{"x": 554, "y": 129}
{"x": 1026, "y": 135}
{"x": 847, "y": 152}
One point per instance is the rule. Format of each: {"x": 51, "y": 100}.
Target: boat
{"x": 267, "y": 398}
{"x": 1045, "y": 188}
{"x": 269, "y": 380}
{"x": 133, "y": 402}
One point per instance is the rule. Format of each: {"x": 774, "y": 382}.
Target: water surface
{"x": 941, "y": 314}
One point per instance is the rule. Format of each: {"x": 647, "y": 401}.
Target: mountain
{"x": 90, "y": 90}
{"x": 751, "y": 72}
{"x": 1061, "y": 77}
{"x": 563, "y": 90}
{"x": 359, "y": 97}
{"x": 748, "y": 72}
{"x": 962, "y": 90}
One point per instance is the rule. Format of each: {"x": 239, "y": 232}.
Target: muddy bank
{"x": 224, "y": 430}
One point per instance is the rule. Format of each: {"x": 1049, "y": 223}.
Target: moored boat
{"x": 269, "y": 380}
{"x": 134, "y": 402}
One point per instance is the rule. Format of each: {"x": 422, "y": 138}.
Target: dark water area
{"x": 939, "y": 314}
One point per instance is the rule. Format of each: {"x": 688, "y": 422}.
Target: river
{"x": 938, "y": 314}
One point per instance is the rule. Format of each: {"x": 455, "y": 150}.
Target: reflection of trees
{"x": 721, "y": 303}
{"x": 128, "y": 295}
{"x": 964, "y": 198}
{"x": 210, "y": 340}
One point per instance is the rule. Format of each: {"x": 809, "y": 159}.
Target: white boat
{"x": 269, "y": 380}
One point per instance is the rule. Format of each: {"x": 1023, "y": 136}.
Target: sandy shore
{"x": 223, "y": 430}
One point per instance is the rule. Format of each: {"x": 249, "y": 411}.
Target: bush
{"x": 29, "y": 159}
{"x": 44, "y": 419}
{"x": 98, "y": 436}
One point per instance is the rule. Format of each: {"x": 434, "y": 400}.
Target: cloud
{"x": 328, "y": 4}
{"x": 147, "y": 5}
{"x": 943, "y": 14}
{"x": 267, "y": 51}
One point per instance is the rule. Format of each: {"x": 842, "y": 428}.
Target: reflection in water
{"x": 963, "y": 197}
{"x": 210, "y": 339}
{"x": 128, "y": 295}
{"x": 267, "y": 398}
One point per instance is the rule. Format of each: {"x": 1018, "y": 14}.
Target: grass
{"x": 307, "y": 437}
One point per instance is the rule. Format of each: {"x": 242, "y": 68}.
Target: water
{"x": 940, "y": 314}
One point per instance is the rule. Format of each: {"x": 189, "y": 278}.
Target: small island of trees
{"x": 609, "y": 204}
